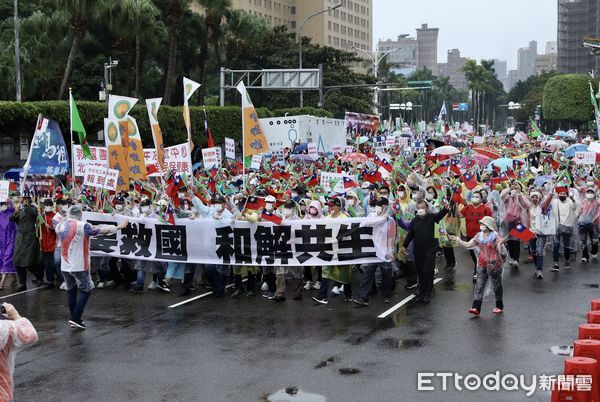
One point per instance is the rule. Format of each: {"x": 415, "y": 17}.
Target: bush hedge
{"x": 20, "y": 117}
{"x": 567, "y": 98}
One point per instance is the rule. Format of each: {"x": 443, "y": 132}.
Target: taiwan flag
{"x": 469, "y": 180}
{"x": 372, "y": 177}
{"x": 255, "y": 203}
{"x": 455, "y": 167}
{"x": 522, "y": 233}
{"x": 271, "y": 217}
{"x": 385, "y": 168}
{"x": 349, "y": 183}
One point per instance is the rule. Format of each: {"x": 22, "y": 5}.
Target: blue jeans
{"x": 82, "y": 281}
{"x": 50, "y": 267}
{"x": 566, "y": 240}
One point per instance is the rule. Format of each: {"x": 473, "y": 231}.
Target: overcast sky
{"x": 480, "y": 29}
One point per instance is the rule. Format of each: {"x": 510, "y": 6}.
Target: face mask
{"x": 269, "y": 207}
{"x": 3, "y": 208}
{"x": 590, "y": 184}
{"x": 535, "y": 200}
{"x": 476, "y": 200}
{"x": 562, "y": 197}
{"x": 294, "y": 195}
{"x": 365, "y": 191}
{"x": 483, "y": 228}
{"x": 378, "y": 209}
{"x": 313, "y": 211}
{"x": 64, "y": 208}
{"x": 414, "y": 197}
{"x": 590, "y": 197}
{"x": 350, "y": 202}
{"x": 513, "y": 192}
{"x": 119, "y": 207}
{"x": 181, "y": 195}
{"x": 219, "y": 207}
{"x": 48, "y": 209}
{"x": 145, "y": 209}
{"x": 401, "y": 194}
{"x": 287, "y": 211}
{"x": 430, "y": 196}
{"x": 421, "y": 212}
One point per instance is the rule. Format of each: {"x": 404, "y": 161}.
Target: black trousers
{"x": 425, "y": 264}
{"x": 449, "y": 256}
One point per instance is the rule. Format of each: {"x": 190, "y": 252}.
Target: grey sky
{"x": 481, "y": 29}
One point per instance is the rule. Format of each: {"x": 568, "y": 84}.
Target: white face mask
{"x": 269, "y": 206}
{"x": 513, "y": 192}
{"x": 219, "y": 207}
{"x": 421, "y": 212}
{"x": 287, "y": 211}
{"x": 64, "y": 208}
{"x": 3, "y": 208}
{"x": 145, "y": 209}
{"x": 430, "y": 196}
{"x": 119, "y": 207}
{"x": 401, "y": 194}
{"x": 590, "y": 197}
{"x": 378, "y": 209}
{"x": 483, "y": 228}
{"x": 414, "y": 197}
{"x": 48, "y": 209}
{"x": 181, "y": 195}
{"x": 590, "y": 184}
{"x": 475, "y": 200}
{"x": 350, "y": 202}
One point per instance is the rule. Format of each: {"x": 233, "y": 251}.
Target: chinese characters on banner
{"x": 585, "y": 158}
{"x": 48, "y": 152}
{"x": 211, "y": 157}
{"x": 361, "y": 122}
{"x": 4, "y": 190}
{"x": 336, "y": 149}
{"x": 256, "y": 162}
{"x": 94, "y": 176}
{"x": 390, "y": 141}
{"x": 404, "y": 142}
{"x": 312, "y": 149}
{"x": 177, "y": 158}
{"x": 229, "y": 148}
{"x": 207, "y": 241}
{"x": 112, "y": 177}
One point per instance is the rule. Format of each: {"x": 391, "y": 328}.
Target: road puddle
{"x": 394, "y": 343}
{"x": 293, "y": 394}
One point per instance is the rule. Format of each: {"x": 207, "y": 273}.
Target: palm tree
{"x": 80, "y": 14}
{"x": 133, "y": 19}
{"x": 173, "y": 15}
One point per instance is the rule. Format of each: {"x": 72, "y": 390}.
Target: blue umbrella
{"x": 502, "y": 163}
{"x": 570, "y": 151}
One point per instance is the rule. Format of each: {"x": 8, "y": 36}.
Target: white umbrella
{"x": 555, "y": 144}
{"x": 445, "y": 150}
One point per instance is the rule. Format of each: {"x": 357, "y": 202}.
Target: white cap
{"x": 270, "y": 199}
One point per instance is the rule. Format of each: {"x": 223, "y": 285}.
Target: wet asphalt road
{"x": 137, "y": 349}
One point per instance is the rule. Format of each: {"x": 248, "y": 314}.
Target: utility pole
{"x": 17, "y": 51}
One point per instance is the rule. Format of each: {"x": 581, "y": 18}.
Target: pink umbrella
{"x": 480, "y": 160}
{"x": 356, "y": 157}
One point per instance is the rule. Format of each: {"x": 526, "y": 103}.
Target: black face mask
{"x": 562, "y": 198}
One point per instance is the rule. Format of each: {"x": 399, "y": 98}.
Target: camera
{"x": 2, "y": 310}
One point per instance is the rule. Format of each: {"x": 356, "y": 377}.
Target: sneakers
{"x": 435, "y": 272}
{"x": 555, "y": 267}
{"x": 152, "y": 285}
{"x": 237, "y": 293}
{"x": 77, "y": 324}
{"x": 135, "y": 290}
{"x": 308, "y": 285}
{"x": 268, "y": 295}
{"x": 475, "y": 278}
{"x": 63, "y": 286}
{"x": 361, "y": 302}
{"x": 317, "y": 285}
{"x": 594, "y": 257}
{"x": 497, "y": 310}
{"x": 514, "y": 263}
{"x": 264, "y": 287}
{"x": 342, "y": 289}
{"x": 277, "y": 298}
{"x": 584, "y": 259}
{"x": 450, "y": 268}
{"x": 474, "y": 311}
{"x": 164, "y": 286}
{"x": 539, "y": 275}
{"x": 336, "y": 290}
{"x": 101, "y": 285}
{"x": 349, "y": 300}
{"x": 320, "y": 301}
{"x": 109, "y": 284}
{"x": 567, "y": 265}
{"x": 411, "y": 285}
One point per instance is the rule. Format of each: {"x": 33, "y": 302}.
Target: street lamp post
{"x": 376, "y": 60}
{"x": 299, "y": 38}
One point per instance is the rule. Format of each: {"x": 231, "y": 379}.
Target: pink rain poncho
{"x": 14, "y": 335}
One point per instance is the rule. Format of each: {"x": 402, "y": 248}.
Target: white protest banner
{"x": 347, "y": 241}
{"x": 112, "y": 178}
{"x": 99, "y": 158}
{"x": 256, "y": 161}
{"x": 390, "y": 141}
{"x": 335, "y": 181}
{"x": 4, "y": 190}
{"x": 336, "y": 149}
{"x": 585, "y": 158}
{"x": 311, "y": 148}
{"x": 478, "y": 140}
{"x": 229, "y": 148}
{"x": 349, "y": 149}
{"x": 211, "y": 157}
{"x": 178, "y": 158}
{"x": 404, "y": 142}
{"x": 94, "y": 176}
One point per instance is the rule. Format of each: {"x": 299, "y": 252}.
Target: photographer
{"x": 15, "y": 333}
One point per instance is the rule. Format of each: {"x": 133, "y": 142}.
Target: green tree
{"x": 529, "y": 93}
{"x": 567, "y": 99}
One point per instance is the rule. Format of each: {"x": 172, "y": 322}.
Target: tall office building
{"x": 501, "y": 68}
{"x": 453, "y": 69}
{"x": 526, "y": 61}
{"x": 427, "y": 43}
{"x": 547, "y": 61}
{"x": 346, "y": 28}
{"x": 576, "y": 20}
{"x": 403, "y": 56}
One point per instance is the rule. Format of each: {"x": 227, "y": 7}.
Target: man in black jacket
{"x": 422, "y": 232}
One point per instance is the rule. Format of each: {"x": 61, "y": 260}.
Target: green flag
{"x": 535, "y": 130}
{"x": 77, "y": 126}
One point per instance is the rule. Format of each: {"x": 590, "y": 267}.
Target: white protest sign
{"x": 312, "y": 149}
{"x": 403, "y": 142}
{"x": 4, "y": 190}
{"x": 478, "y": 140}
{"x": 94, "y": 176}
{"x": 178, "y": 158}
{"x": 336, "y": 179}
{"x": 211, "y": 157}
{"x": 336, "y": 149}
{"x": 585, "y": 158}
{"x": 349, "y": 149}
{"x": 229, "y": 148}
{"x": 256, "y": 161}
{"x": 390, "y": 141}
{"x": 112, "y": 178}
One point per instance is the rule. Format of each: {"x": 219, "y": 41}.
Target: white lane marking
{"x": 403, "y": 302}
{"x": 20, "y": 293}
{"x": 200, "y": 296}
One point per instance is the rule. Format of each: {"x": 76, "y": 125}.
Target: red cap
{"x": 561, "y": 190}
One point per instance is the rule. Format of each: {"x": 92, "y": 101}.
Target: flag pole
{"x": 72, "y": 142}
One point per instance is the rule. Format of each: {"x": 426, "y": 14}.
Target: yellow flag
{"x": 254, "y": 139}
